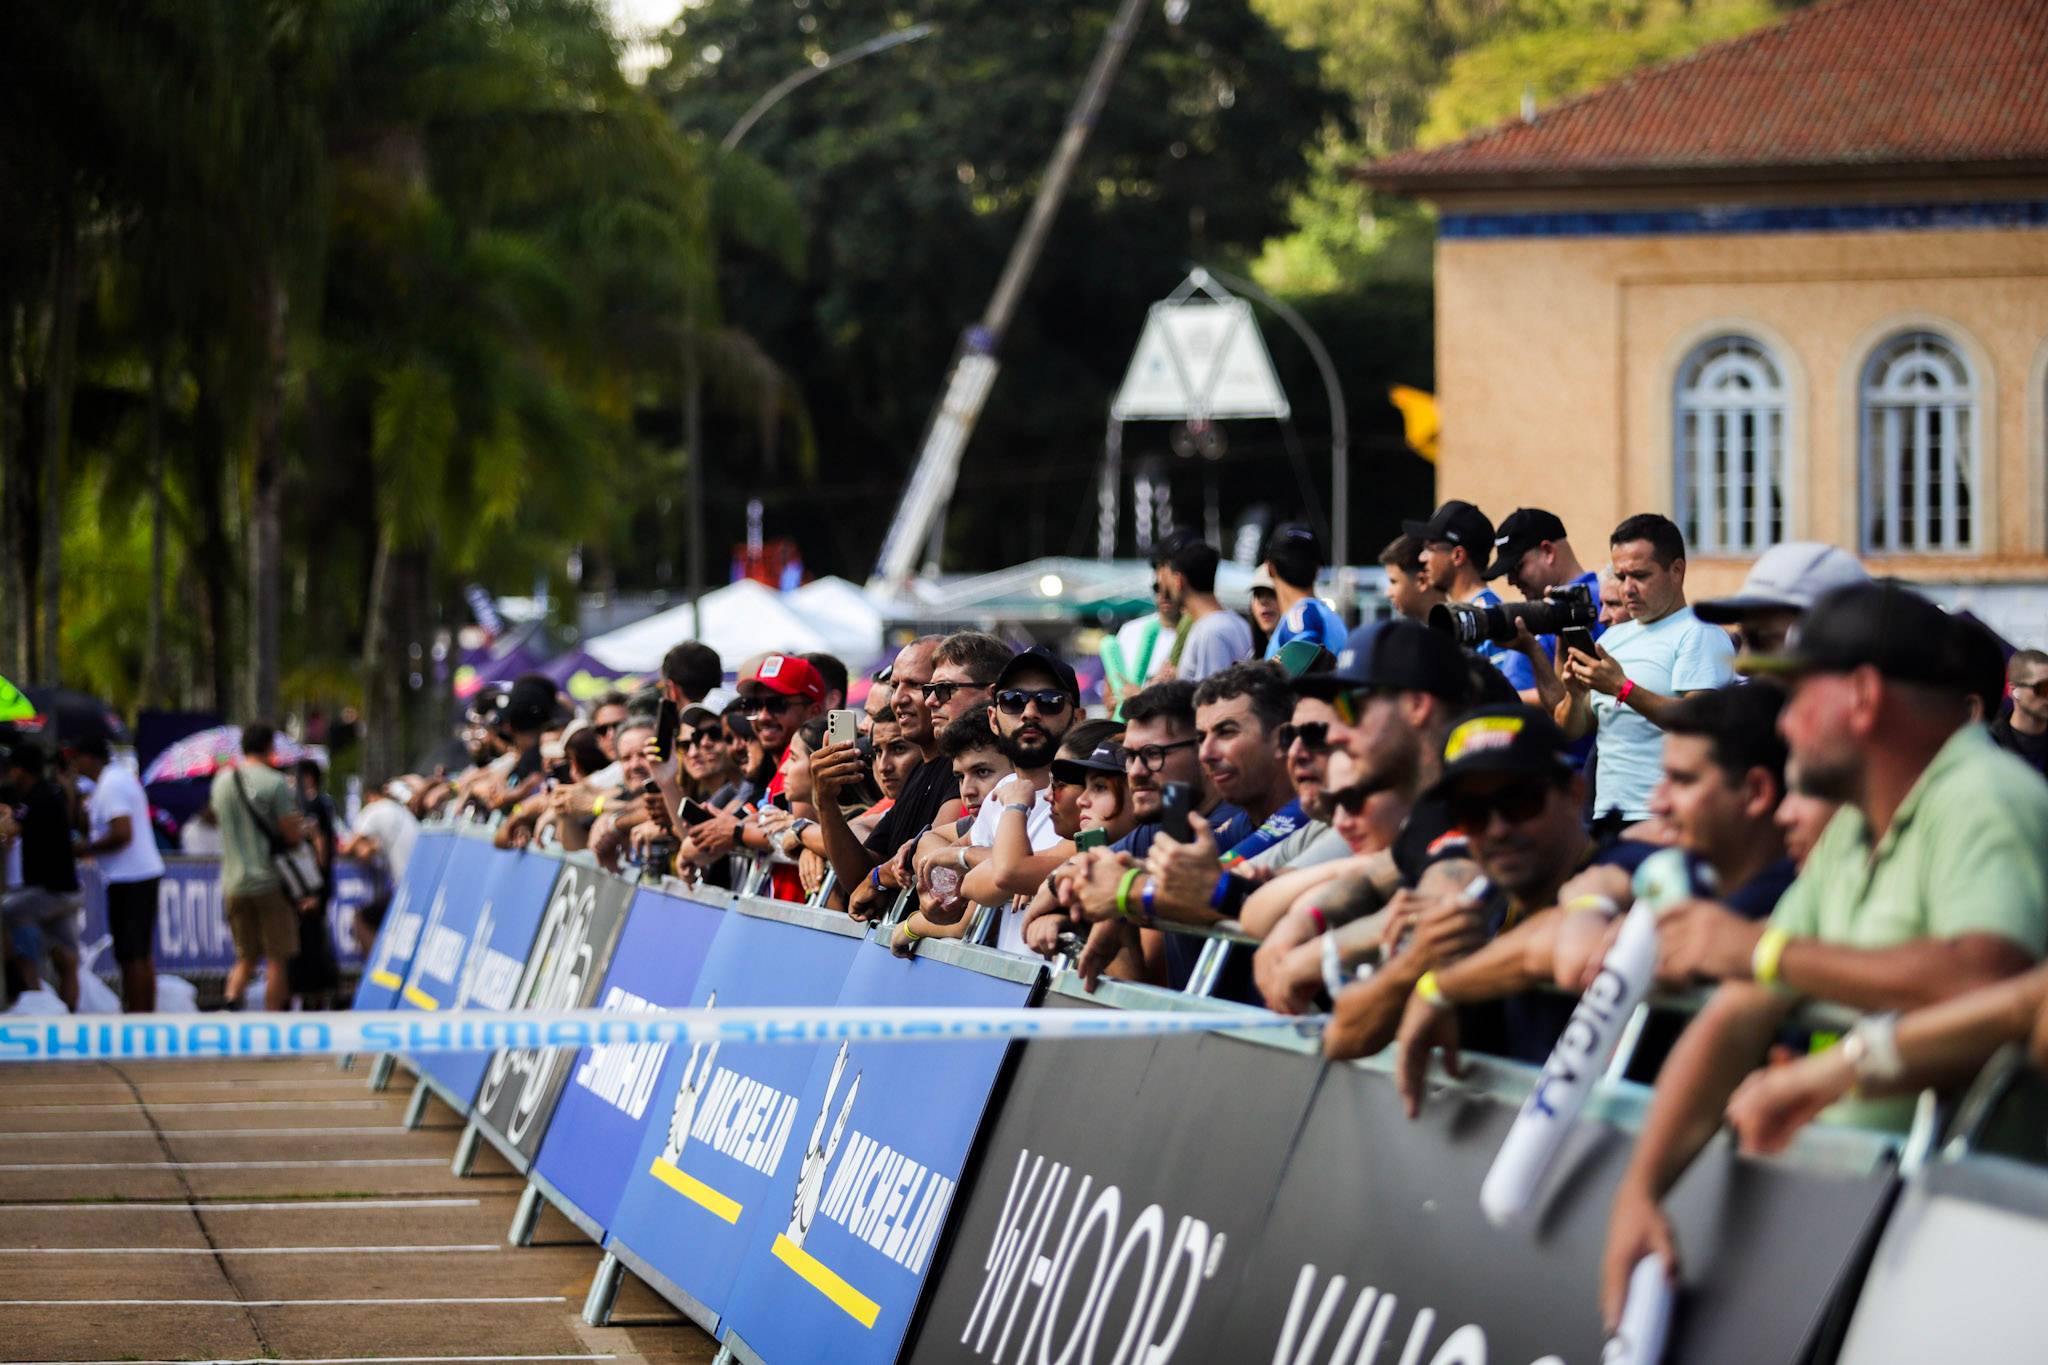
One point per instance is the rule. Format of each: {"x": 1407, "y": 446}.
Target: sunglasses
{"x": 609, "y": 727}
{"x": 1352, "y": 799}
{"x": 938, "y": 694}
{"x": 1313, "y": 736}
{"x": 702, "y": 739}
{"x": 769, "y": 705}
{"x": 1349, "y": 706}
{"x": 1012, "y": 701}
{"x": 1472, "y": 812}
{"x": 1153, "y": 756}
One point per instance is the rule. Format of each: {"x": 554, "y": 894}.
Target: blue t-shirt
{"x": 1233, "y": 830}
{"x": 1512, "y": 663}
{"x": 1309, "y": 619}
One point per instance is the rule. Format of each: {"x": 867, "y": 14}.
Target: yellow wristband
{"x": 1123, "y": 893}
{"x": 597, "y": 806}
{"x": 912, "y": 934}
{"x": 1770, "y": 949}
{"x": 1432, "y": 994}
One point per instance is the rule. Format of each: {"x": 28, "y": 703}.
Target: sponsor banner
{"x": 1377, "y": 1248}
{"x": 497, "y": 941}
{"x": 191, "y": 923}
{"x": 584, "y": 914}
{"x": 722, "y": 1131}
{"x": 446, "y": 921}
{"x": 391, "y": 955}
{"x": 1117, "y": 1201}
{"x": 850, "y": 1227}
{"x": 607, "y": 1101}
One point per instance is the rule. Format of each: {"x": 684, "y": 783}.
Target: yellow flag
{"x": 1419, "y": 421}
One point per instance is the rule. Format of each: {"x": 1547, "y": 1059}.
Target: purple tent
{"x": 584, "y": 677}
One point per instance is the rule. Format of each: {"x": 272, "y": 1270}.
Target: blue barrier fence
{"x": 1162, "y": 1199}
{"x": 191, "y": 925}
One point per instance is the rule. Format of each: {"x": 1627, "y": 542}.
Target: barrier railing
{"x": 929, "y": 1201}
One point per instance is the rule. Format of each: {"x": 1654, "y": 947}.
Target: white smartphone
{"x": 842, "y": 727}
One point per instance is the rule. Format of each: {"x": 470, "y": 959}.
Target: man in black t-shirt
{"x": 2024, "y": 730}
{"x": 41, "y": 914}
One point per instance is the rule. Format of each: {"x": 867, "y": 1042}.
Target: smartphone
{"x": 666, "y": 721}
{"x": 1579, "y": 638}
{"x": 1296, "y": 657}
{"x": 559, "y": 775}
{"x": 657, "y": 809}
{"x": 695, "y": 812}
{"x": 842, "y": 727}
{"x": 1091, "y": 838}
{"x": 1176, "y": 799}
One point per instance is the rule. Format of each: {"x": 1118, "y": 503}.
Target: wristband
{"x": 1872, "y": 1050}
{"x": 1123, "y": 892}
{"x": 912, "y": 934}
{"x": 1023, "y": 806}
{"x": 1219, "y": 893}
{"x": 597, "y": 808}
{"x": 1432, "y": 994}
{"x": 960, "y": 859}
{"x": 1333, "y": 968}
{"x": 1145, "y": 893}
{"x": 1764, "y": 961}
{"x": 1606, "y": 905}
{"x": 875, "y": 877}
{"x": 1628, "y": 685}
{"x": 1322, "y": 921}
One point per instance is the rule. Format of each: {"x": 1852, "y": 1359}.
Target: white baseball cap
{"x": 1788, "y": 577}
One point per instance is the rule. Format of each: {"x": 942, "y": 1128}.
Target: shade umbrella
{"x": 13, "y": 705}
{"x": 70, "y": 715}
{"x": 206, "y": 753}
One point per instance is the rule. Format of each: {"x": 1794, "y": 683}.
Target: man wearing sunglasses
{"x": 780, "y": 694}
{"x": 2025, "y": 731}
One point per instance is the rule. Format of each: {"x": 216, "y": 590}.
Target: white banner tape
{"x": 125, "y": 1037}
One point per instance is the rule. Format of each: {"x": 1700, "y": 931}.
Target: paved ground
{"x": 278, "y": 1211}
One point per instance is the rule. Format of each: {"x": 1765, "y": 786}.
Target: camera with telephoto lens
{"x": 1568, "y": 608}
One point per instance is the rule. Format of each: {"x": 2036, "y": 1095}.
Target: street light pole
{"x": 1340, "y": 424}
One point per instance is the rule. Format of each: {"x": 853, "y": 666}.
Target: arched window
{"x": 1919, "y": 437}
{"x": 1729, "y": 462}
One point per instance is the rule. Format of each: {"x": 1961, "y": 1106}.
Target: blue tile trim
{"x": 1794, "y": 218}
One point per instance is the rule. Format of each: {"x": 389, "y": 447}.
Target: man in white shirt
{"x": 1219, "y": 637}
{"x": 384, "y": 829}
{"x": 1034, "y": 701}
{"x": 121, "y": 841}
{"x": 1641, "y": 667}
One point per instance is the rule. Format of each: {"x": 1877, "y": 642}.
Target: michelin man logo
{"x": 696, "y": 1071}
{"x": 819, "y": 1151}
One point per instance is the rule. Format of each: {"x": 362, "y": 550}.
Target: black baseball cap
{"x": 1107, "y": 758}
{"x": 1401, "y": 654}
{"x": 1508, "y": 741}
{"x": 1881, "y": 624}
{"x": 1040, "y": 656}
{"x": 1523, "y": 531}
{"x": 1460, "y": 523}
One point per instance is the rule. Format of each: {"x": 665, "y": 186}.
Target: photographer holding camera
{"x": 1661, "y": 653}
{"x": 1455, "y": 543}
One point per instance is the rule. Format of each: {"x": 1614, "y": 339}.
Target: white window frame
{"x": 1730, "y": 425}
{"x": 1919, "y": 413}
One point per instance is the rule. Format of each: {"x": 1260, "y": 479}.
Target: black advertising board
{"x": 578, "y": 931}
{"x": 1377, "y": 1249}
{"x": 1117, "y": 1197}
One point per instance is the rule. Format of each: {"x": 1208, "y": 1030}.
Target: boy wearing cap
{"x": 1932, "y": 880}
{"x": 1456, "y": 541}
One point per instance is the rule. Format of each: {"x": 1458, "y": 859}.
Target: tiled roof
{"x": 1847, "y": 83}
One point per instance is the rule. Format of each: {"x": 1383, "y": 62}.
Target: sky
{"x": 634, "y": 20}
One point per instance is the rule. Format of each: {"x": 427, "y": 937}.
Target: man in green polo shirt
{"x": 1931, "y": 880}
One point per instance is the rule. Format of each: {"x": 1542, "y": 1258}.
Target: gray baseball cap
{"x": 1788, "y": 577}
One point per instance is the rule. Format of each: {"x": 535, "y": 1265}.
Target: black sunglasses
{"x": 1012, "y": 701}
{"x": 938, "y": 694}
{"x": 766, "y": 705}
{"x": 1153, "y": 756}
{"x": 609, "y": 727}
{"x": 1516, "y": 803}
{"x": 702, "y": 738}
{"x": 1352, "y": 799}
{"x": 1313, "y": 736}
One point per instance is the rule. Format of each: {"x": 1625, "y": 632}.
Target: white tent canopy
{"x": 746, "y": 618}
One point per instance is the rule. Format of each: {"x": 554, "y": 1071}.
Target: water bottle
{"x": 1645, "y": 1317}
{"x": 1582, "y": 1050}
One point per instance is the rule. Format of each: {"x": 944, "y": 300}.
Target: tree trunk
{"x": 154, "y": 691}
{"x": 215, "y": 559}
{"x": 266, "y": 510}
{"x": 17, "y": 496}
{"x": 379, "y": 719}
{"x": 60, "y": 369}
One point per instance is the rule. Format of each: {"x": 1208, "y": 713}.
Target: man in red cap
{"x": 780, "y": 695}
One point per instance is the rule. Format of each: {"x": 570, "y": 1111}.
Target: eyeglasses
{"x": 1352, "y": 799}
{"x": 1313, "y": 736}
{"x": 766, "y": 705}
{"x": 701, "y": 739}
{"x": 938, "y": 694}
{"x": 1012, "y": 701}
{"x": 1522, "y": 801}
{"x": 609, "y": 727}
{"x": 1153, "y": 756}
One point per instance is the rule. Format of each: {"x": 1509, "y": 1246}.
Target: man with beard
{"x": 781, "y": 693}
{"x": 1932, "y": 880}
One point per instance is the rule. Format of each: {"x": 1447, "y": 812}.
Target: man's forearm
{"x": 1514, "y": 962}
{"x": 1945, "y": 1044}
{"x": 851, "y": 861}
{"x": 1574, "y": 715}
{"x": 1721, "y": 1046}
{"x": 1906, "y": 977}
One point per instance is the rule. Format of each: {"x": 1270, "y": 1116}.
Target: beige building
{"x": 1793, "y": 287}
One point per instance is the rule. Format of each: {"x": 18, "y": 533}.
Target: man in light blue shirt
{"x": 1642, "y": 666}
{"x": 1293, "y": 558}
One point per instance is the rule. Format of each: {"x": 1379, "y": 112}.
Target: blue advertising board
{"x": 722, "y": 1128}
{"x": 192, "y": 936}
{"x": 849, "y": 1225}
{"x": 496, "y": 941}
{"x": 391, "y": 955}
{"x": 591, "y": 1144}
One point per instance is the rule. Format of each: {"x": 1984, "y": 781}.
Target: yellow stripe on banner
{"x": 414, "y": 995}
{"x": 386, "y": 979}
{"x": 851, "y": 1301}
{"x": 695, "y": 1190}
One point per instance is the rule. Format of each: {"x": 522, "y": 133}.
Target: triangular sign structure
{"x": 1198, "y": 361}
